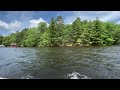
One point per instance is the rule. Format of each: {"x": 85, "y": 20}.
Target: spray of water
{"x": 76, "y": 75}
{"x": 2, "y": 78}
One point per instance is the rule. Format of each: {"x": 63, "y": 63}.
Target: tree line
{"x": 80, "y": 32}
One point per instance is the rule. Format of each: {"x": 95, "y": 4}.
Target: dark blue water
{"x": 60, "y": 62}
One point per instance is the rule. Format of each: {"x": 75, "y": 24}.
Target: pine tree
{"x": 59, "y": 28}
{"x": 77, "y": 30}
{"x": 52, "y": 32}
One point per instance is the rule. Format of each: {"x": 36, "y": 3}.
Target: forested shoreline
{"x": 79, "y": 33}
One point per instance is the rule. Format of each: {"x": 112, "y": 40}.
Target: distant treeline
{"x": 58, "y": 33}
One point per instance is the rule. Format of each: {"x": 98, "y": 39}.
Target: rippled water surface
{"x": 60, "y": 63}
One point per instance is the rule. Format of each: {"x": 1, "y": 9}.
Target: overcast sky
{"x": 11, "y": 21}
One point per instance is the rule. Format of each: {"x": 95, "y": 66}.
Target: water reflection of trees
{"x": 64, "y": 59}
{"x": 53, "y": 57}
{"x": 59, "y": 57}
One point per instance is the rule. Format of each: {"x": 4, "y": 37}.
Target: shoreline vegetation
{"x": 57, "y": 33}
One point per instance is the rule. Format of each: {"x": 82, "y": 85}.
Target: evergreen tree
{"x": 77, "y": 30}
{"x": 59, "y": 27}
{"x": 52, "y": 32}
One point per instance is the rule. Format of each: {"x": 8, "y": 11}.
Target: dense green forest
{"x": 79, "y": 33}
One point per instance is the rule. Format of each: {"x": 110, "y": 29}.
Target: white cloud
{"x": 35, "y": 22}
{"x": 12, "y": 31}
{"x": 118, "y": 22}
{"x": 3, "y": 25}
{"x": 15, "y": 25}
{"x": 110, "y": 15}
{"x": 91, "y": 15}
{"x": 4, "y": 34}
{"x": 12, "y": 26}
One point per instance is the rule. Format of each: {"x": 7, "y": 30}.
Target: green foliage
{"x": 12, "y": 38}
{"x": 77, "y": 29}
{"x": 44, "y": 40}
{"x": 59, "y": 29}
{"x": 53, "y": 33}
{"x": 42, "y": 34}
{"x": 1, "y": 39}
{"x": 6, "y": 41}
{"x": 30, "y": 40}
{"x": 60, "y": 34}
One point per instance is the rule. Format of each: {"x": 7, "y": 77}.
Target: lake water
{"x": 60, "y": 63}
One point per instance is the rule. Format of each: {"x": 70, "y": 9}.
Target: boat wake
{"x": 76, "y": 75}
{"x": 27, "y": 77}
{"x": 2, "y": 78}
{"x": 23, "y": 77}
